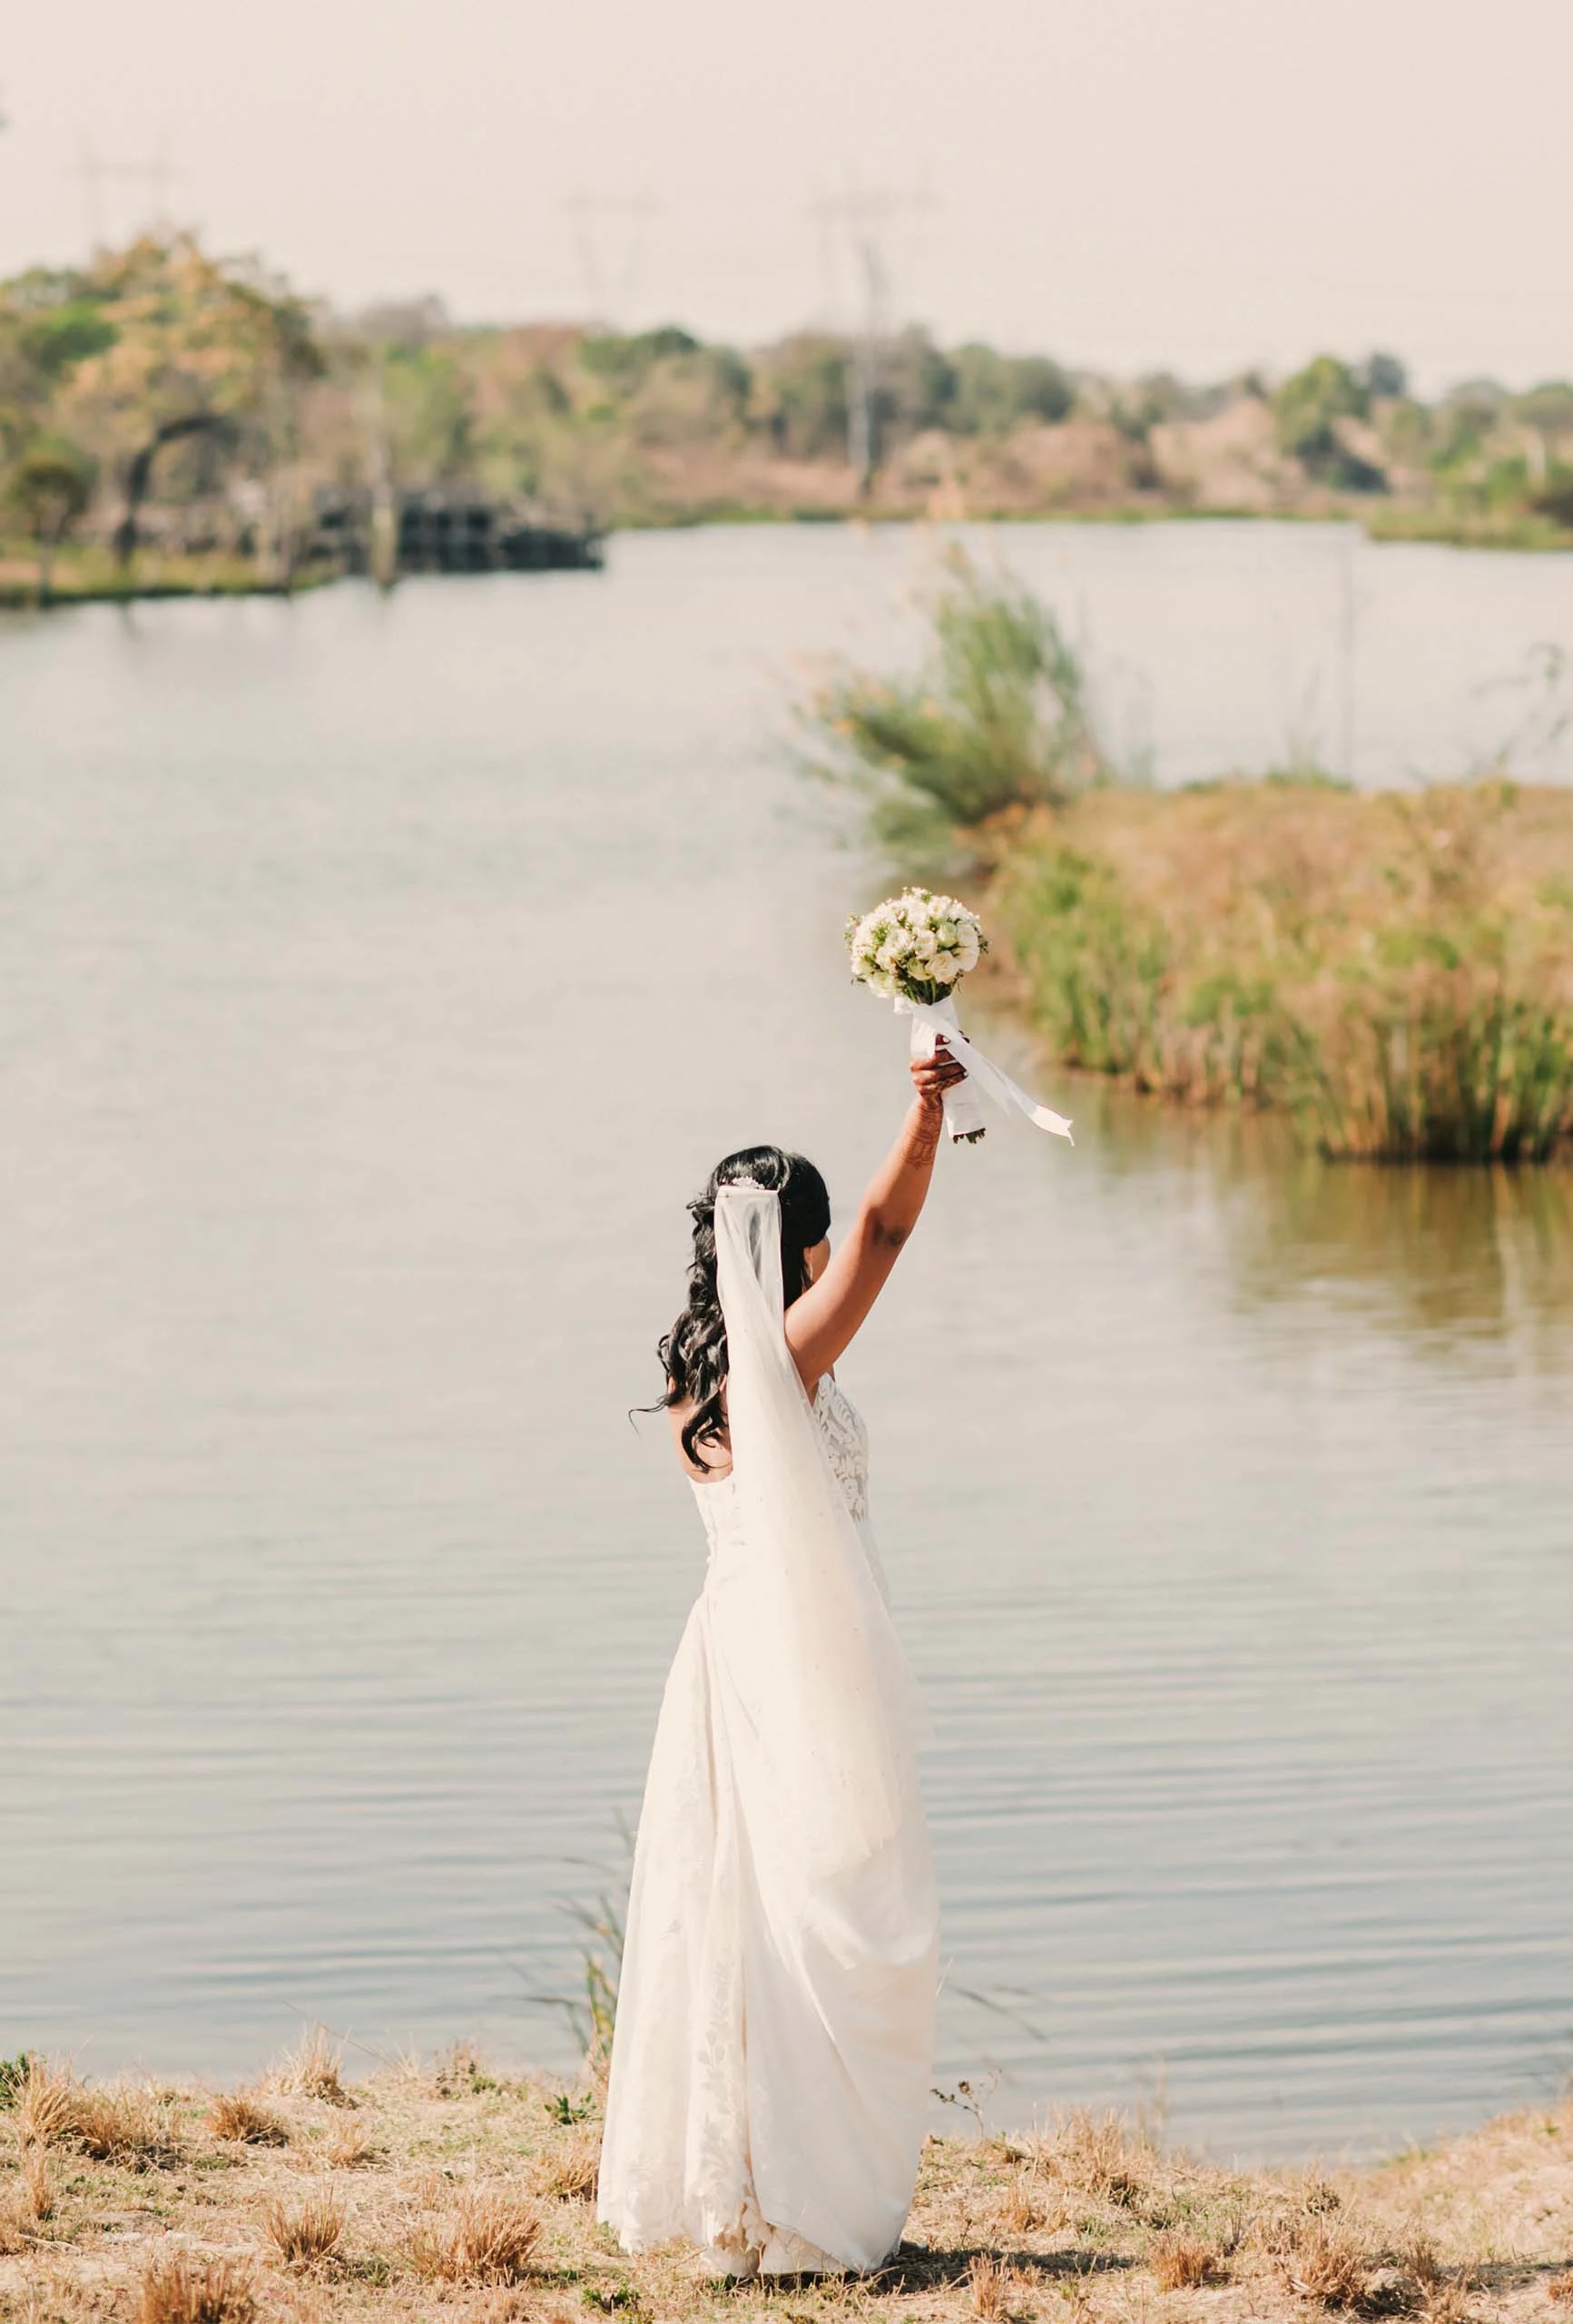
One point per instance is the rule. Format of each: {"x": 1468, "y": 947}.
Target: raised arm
{"x": 822, "y": 1322}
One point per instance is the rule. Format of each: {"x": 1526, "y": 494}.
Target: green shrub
{"x": 996, "y": 718}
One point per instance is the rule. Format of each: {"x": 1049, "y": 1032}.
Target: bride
{"x": 769, "y": 2086}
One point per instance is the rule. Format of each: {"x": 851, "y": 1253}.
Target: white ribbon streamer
{"x": 934, "y": 1022}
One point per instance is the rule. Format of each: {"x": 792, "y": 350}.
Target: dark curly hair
{"x": 693, "y": 1352}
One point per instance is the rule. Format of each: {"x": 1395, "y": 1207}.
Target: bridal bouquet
{"x": 914, "y": 950}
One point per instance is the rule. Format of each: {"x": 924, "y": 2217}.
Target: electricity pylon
{"x": 611, "y": 295}
{"x": 864, "y": 219}
{"x": 94, "y": 173}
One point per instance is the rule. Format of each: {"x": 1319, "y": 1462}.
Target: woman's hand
{"x": 932, "y": 1076}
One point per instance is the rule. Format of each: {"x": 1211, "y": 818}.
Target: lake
{"x": 378, "y": 979}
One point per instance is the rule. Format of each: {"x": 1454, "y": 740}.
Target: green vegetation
{"x": 162, "y": 404}
{"x": 50, "y": 488}
{"x": 159, "y": 378}
{"x": 997, "y": 718}
{"x": 1306, "y": 413}
{"x": 1395, "y": 971}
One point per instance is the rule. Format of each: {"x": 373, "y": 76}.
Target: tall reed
{"x": 1396, "y": 970}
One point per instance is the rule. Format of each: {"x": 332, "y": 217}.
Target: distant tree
{"x": 1543, "y": 418}
{"x": 1310, "y": 403}
{"x": 199, "y": 346}
{"x": 800, "y": 396}
{"x": 1548, "y": 407}
{"x": 692, "y": 398}
{"x": 1156, "y": 397}
{"x": 1466, "y": 420}
{"x": 1385, "y": 376}
{"x": 50, "y": 488}
{"x": 917, "y": 385}
{"x": 1481, "y": 395}
{"x": 49, "y": 323}
{"x": 625, "y": 363}
{"x": 993, "y": 392}
{"x": 1041, "y": 389}
{"x": 428, "y": 396}
{"x": 1306, "y": 411}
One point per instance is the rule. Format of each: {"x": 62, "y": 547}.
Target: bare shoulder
{"x": 714, "y": 1460}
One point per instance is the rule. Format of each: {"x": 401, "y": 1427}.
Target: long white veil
{"x": 837, "y": 1712}
{"x": 770, "y": 2080}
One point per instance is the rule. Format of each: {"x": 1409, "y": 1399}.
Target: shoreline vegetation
{"x": 194, "y": 420}
{"x": 452, "y": 2188}
{"x": 1393, "y": 971}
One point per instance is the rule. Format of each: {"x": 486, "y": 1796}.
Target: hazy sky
{"x": 1199, "y": 182}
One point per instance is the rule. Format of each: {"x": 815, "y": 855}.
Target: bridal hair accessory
{"x": 915, "y": 949}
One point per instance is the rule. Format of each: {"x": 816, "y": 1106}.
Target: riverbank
{"x": 453, "y": 2182}
{"x": 1395, "y": 971}
{"x": 86, "y": 575}
{"x": 90, "y": 577}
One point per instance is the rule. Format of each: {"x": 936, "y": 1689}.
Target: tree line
{"x": 163, "y": 396}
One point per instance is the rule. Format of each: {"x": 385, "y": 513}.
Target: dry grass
{"x": 313, "y": 2069}
{"x": 36, "y": 2186}
{"x": 487, "y": 2237}
{"x": 45, "y": 2104}
{"x": 470, "y": 2200}
{"x": 347, "y": 2147}
{"x": 183, "y": 2288}
{"x": 1096, "y": 2155}
{"x": 1450, "y": 2303}
{"x": 1180, "y": 2262}
{"x": 995, "y": 2290}
{"x": 1327, "y": 2264}
{"x": 1394, "y": 969}
{"x": 120, "y": 2126}
{"x": 27, "y": 2205}
{"x": 236, "y": 2117}
{"x": 570, "y": 2169}
{"x": 123, "y": 2124}
{"x": 1028, "y": 2207}
{"x": 306, "y": 2232}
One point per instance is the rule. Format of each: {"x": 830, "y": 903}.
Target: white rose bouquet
{"x": 915, "y": 949}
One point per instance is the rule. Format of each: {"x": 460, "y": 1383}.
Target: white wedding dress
{"x": 770, "y": 2068}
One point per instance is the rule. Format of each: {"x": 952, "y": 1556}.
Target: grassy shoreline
{"x": 83, "y": 577}
{"x": 1393, "y": 970}
{"x": 79, "y": 578}
{"x": 448, "y": 2187}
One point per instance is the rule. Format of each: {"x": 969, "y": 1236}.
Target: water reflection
{"x": 1440, "y": 1256}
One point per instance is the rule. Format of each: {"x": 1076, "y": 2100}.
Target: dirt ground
{"x": 453, "y": 2191}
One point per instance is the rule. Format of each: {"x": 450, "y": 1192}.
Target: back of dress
{"x": 769, "y": 2088}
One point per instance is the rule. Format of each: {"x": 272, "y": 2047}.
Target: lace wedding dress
{"x": 769, "y": 2088}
